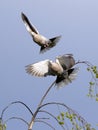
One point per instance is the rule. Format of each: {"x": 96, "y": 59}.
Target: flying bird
{"x": 42, "y": 41}
{"x": 62, "y": 68}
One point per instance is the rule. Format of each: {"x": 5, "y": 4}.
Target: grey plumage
{"x": 42, "y": 41}
{"x": 62, "y": 68}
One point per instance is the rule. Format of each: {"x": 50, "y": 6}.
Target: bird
{"x": 44, "y": 43}
{"x": 62, "y": 68}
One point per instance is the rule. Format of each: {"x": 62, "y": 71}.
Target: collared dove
{"x": 62, "y": 68}
{"x": 42, "y": 41}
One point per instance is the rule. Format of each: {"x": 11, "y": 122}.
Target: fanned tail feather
{"x": 63, "y": 80}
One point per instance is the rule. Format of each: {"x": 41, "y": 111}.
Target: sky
{"x": 77, "y": 22}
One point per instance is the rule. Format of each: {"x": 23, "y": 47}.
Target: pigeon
{"x": 44, "y": 43}
{"x": 62, "y": 68}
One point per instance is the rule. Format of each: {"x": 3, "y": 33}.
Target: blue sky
{"x": 77, "y": 22}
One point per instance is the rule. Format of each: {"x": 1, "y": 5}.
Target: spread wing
{"x": 66, "y": 61}
{"x": 40, "y": 69}
{"x": 30, "y": 28}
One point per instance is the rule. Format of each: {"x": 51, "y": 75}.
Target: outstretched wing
{"x": 66, "y": 61}
{"x": 63, "y": 80}
{"x": 30, "y": 28}
{"x": 40, "y": 69}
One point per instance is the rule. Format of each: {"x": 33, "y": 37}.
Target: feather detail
{"x": 64, "y": 80}
{"x": 38, "y": 69}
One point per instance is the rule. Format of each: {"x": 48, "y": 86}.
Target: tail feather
{"x": 44, "y": 49}
{"x": 64, "y": 79}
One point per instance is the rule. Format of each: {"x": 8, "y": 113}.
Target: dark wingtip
{"x": 22, "y": 13}
{"x": 23, "y": 16}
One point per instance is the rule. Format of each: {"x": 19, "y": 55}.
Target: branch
{"x": 45, "y": 123}
{"x": 69, "y": 109}
{"x": 93, "y": 84}
{"x": 15, "y": 103}
{"x": 37, "y": 110}
{"x": 46, "y": 94}
{"x": 52, "y": 116}
{"x": 17, "y": 118}
{"x": 89, "y": 65}
{"x": 84, "y": 62}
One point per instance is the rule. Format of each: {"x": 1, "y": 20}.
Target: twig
{"x": 69, "y": 109}
{"x": 93, "y": 74}
{"x": 17, "y": 118}
{"x": 89, "y": 65}
{"x": 52, "y": 116}
{"x": 46, "y": 94}
{"x": 15, "y": 103}
{"x": 37, "y": 110}
{"x": 45, "y": 123}
{"x": 84, "y": 62}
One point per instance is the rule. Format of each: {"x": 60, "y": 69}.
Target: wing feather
{"x": 39, "y": 69}
{"x": 30, "y": 28}
{"x": 67, "y": 61}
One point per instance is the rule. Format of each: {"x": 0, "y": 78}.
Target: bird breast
{"x": 39, "y": 39}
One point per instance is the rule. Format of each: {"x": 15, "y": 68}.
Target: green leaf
{"x": 67, "y": 115}
{"x": 97, "y": 75}
{"x": 91, "y": 83}
{"x": 62, "y": 114}
{"x": 2, "y": 126}
{"x": 97, "y": 99}
{"x": 88, "y": 69}
{"x": 96, "y": 94}
{"x": 61, "y": 122}
{"x": 58, "y": 118}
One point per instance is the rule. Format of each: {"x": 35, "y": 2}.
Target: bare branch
{"x": 15, "y": 103}
{"x": 42, "y": 118}
{"x": 84, "y": 62}
{"x": 17, "y": 118}
{"x": 45, "y": 123}
{"x": 46, "y": 94}
{"x": 37, "y": 110}
{"x": 52, "y": 116}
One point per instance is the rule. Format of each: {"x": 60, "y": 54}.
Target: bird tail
{"x": 66, "y": 78}
{"x": 52, "y": 43}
